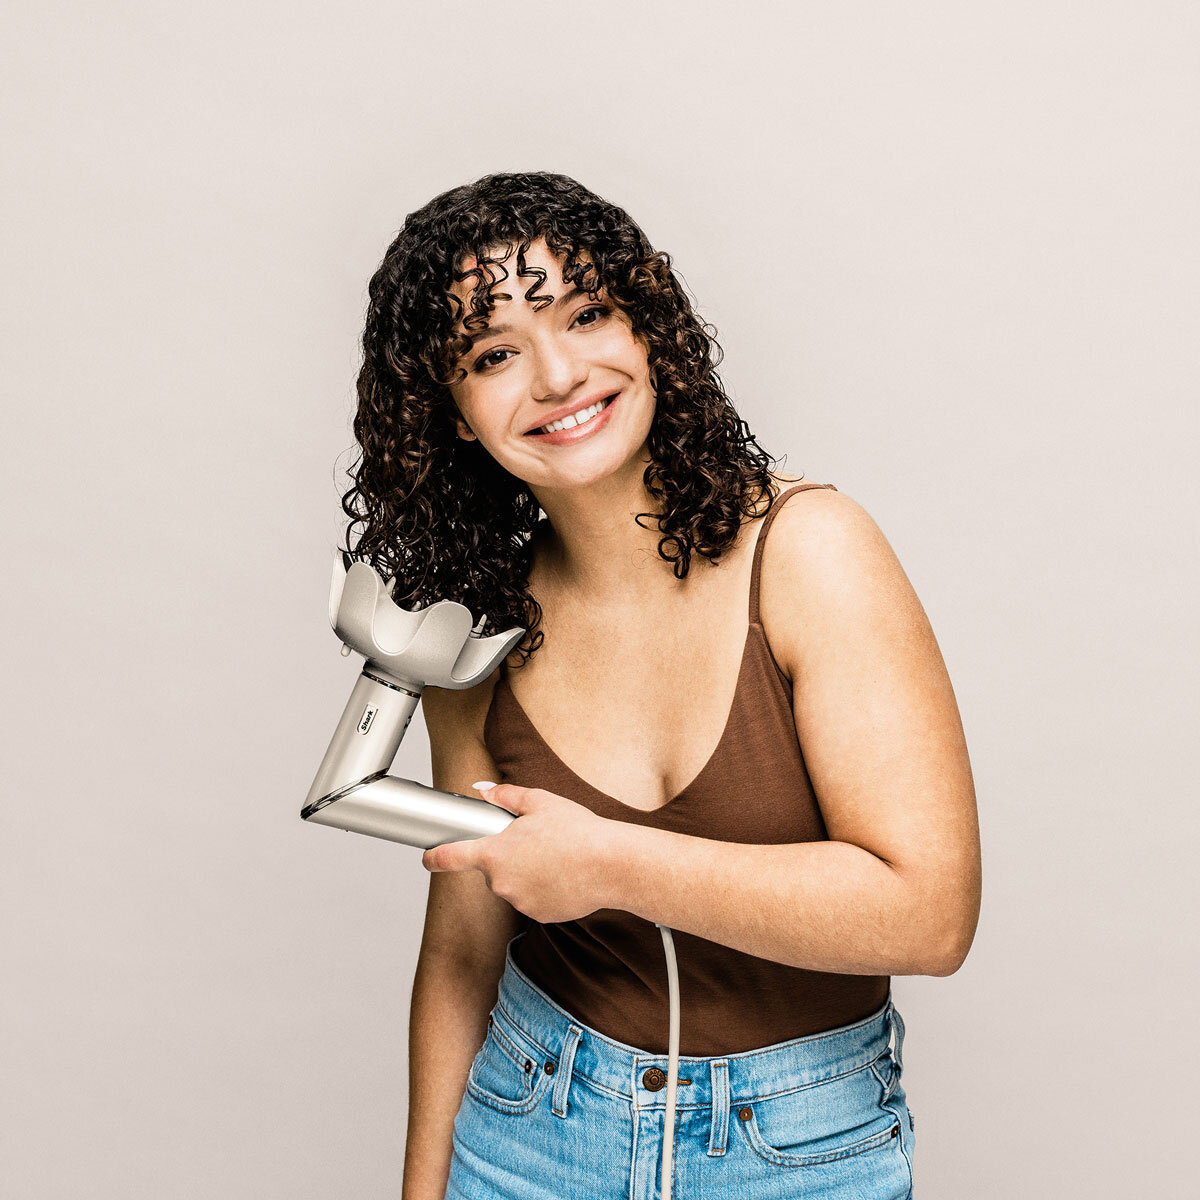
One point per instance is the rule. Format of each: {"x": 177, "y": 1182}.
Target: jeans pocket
{"x": 819, "y": 1123}
{"x": 508, "y": 1073}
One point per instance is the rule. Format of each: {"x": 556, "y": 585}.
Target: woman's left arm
{"x": 896, "y": 889}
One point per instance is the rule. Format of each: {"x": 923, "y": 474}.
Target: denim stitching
{"x": 517, "y": 1108}
{"x": 509, "y": 1047}
{"x": 633, "y": 1174}
{"x": 519, "y": 1028}
{"x": 804, "y": 1087}
{"x": 779, "y": 1158}
{"x": 901, "y": 1136}
{"x": 502, "y": 1104}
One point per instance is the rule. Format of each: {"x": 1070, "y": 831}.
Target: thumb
{"x": 451, "y": 856}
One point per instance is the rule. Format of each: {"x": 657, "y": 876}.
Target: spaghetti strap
{"x": 756, "y": 568}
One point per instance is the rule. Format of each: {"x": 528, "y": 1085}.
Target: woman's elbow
{"x": 946, "y": 921}
{"x": 953, "y": 951}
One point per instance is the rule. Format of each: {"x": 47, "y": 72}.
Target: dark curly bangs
{"x": 439, "y": 513}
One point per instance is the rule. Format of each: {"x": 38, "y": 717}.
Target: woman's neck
{"x": 593, "y": 545}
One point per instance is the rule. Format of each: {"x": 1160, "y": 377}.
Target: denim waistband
{"x": 578, "y": 1051}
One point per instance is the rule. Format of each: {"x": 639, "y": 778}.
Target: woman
{"x": 686, "y": 691}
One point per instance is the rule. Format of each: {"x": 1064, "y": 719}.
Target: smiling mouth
{"x": 573, "y": 421}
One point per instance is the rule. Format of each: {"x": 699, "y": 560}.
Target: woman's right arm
{"x": 467, "y": 927}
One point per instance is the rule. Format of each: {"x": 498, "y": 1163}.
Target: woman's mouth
{"x": 578, "y": 425}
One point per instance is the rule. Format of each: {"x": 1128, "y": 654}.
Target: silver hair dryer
{"x": 405, "y": 651}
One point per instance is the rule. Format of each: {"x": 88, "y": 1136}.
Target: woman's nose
{"x": 558, "y": 369}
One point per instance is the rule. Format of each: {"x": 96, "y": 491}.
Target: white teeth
{"x": 584, "y": 414}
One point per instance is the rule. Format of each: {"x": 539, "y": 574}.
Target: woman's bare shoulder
{"x": 826, "y": 558}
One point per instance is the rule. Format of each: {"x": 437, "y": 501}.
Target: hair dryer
{"x": 404, "y": 652}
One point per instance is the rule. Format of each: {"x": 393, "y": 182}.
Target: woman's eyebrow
{"x": 491, "y": 330}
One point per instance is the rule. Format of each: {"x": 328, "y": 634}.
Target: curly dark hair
{"x": 439, "y": 513}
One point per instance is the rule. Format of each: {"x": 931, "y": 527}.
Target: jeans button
{"x": 654, "y": 1080}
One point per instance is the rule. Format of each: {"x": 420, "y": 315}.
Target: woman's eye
{"x": 482, "y": 363}
{"x": 602, "y": 309}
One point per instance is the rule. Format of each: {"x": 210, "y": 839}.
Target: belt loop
{"x": 566, "y": 1064}
{"x": 719, "y": 1075}
{"x": 899, "y": 1026}
{"x": 896, "y": 1034}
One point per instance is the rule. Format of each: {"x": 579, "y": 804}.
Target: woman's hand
{"x": 553, "y": 863}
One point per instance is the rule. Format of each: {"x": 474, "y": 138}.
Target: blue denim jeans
{"x": 553, "y": 1109}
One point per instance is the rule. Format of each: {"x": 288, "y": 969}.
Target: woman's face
{"x": 531, "y": 366}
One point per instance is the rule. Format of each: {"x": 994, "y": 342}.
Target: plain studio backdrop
{"x": 950, "y": 252}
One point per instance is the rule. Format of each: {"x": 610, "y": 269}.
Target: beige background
{"x": 951, "y": 254}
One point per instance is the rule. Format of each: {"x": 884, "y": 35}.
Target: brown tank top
{"x": 609, "y": 969}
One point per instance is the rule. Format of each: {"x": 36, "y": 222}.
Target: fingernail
{"x": 483, "y": 785}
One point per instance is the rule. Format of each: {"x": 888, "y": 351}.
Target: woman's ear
{"x": 464, "y": 430}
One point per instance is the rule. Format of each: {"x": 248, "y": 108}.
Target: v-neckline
{"x": 708, "y": 762}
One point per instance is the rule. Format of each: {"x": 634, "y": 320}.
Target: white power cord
{"x": 672, "y": 1061}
